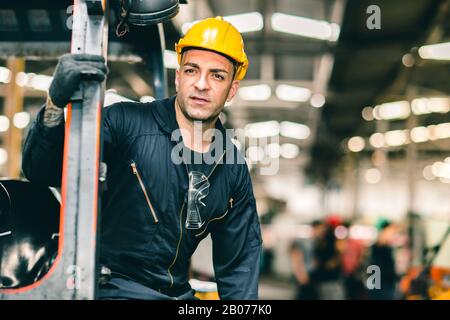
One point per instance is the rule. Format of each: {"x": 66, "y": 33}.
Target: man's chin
{"x": 200, "y": 116}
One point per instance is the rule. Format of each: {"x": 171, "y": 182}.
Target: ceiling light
{"x": 294, "y": 130}
{"x": 419, "y": 134}
{"x": 255, "y": 154}
{"x": 317, "y": 100}
{"x": 147, "y": 99}
{"x": 377, "y": 140}
{"x": 305, "y": 27}
{"x": 273, "y": 150}
{"x": 442, "y": 131}
{"x": 259, "y": 92}
{"x": 289, "y": 150}
{"x": 3, "y": 156}
{"x": 170, "y": 59}
{"x": 356, "y": 144}
{"x": 290, "y": 93}
{"x": 367, "y": 113}
{"x": 373, "y": 176}
{"x": 21, "y": 120}
{"x": 4, "y": 123}
{"x": 262, "y": 129}
{"x": 440, "y": 51}
{"x": 428, "y": 173}
{"x": 392, "y": 110}
{"x": 40, "y": 82}
{"x": 429, "y": 105}
{"x": 245, "y": 22}
{"x": 5, "y": 75}
{"x": 396, "y": 138}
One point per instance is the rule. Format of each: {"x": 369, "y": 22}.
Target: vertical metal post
{"x": 13, "y": 105}
{"x": 74, "y": 273}
{"x": 157, "y": 63}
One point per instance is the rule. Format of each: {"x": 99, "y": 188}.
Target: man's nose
{"x": 202, "y": 83}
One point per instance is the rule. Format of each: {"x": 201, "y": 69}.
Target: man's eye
{"x": 189, "y": 71}
{"x": 218, "y": 76}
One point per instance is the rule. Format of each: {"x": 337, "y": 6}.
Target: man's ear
{"x": 233, "y": 89}
{"x": 177, "y": 80}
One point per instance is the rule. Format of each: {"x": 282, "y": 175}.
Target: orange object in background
{"x": 437, "y": 283}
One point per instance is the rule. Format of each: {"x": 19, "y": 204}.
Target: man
{"x": 157, "y": 208}
{"x": 303, "y": 264}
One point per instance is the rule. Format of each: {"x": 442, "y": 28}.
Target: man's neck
{"x": 195, "y": 133}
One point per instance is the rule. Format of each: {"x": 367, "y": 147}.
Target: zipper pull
{"x": 231, "y": 202}
{"x": 133, "y": 167}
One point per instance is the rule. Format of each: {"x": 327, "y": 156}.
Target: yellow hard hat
{"x": 217, "y": 35}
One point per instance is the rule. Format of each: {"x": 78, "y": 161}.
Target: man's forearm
{"x": 53, "y": 115}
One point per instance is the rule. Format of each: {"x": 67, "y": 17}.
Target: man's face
{"x": 204, "y": 82}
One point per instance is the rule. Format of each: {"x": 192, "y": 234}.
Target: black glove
{"x": 70, "y": 71}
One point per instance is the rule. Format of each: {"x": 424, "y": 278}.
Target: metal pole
{"x": 74, "y": 273}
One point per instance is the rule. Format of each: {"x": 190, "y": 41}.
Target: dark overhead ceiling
{"x": 368, "y": 62}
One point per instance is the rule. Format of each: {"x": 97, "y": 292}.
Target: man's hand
{"x": 70, "y": 71}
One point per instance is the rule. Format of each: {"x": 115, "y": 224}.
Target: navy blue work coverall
{"x": 149, "y": 258}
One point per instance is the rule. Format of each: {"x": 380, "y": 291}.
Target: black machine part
{"x": 145, "y": 13}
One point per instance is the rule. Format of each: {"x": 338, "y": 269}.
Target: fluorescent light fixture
{"x": 35, "y": 81}
{"x": 431, "y": 132}
{"x": 3, "y": 156}
{"x": 294, "y": 130}
{"x": 21, "y": 79}
{"x": 367, "y": 113}
{"x": 305, "y": 27}
{"x": 21, "y": 120}
{"x": 428, "y": 173}
{"x": 392, "y": 110}
{"x": 317, "y": 100}
{"x": 289, "y": 150}
{"x": 255, "y": 154}
{"x": 262, "y": 129}
{"x": 373, "y": 176}
{"x": 442, "y": 131}
{"x": 5, "y": 75}
{"x": 356, "y": 144}
{"x": 40, "y": 82}
{"x": 273, "y": 150}
{"x": 259, "y": 92}
{"x": 245, "y": 22}
{"x": 291, "y": 93}
{"x": 430, "y": 105}
{"x": 147, "y": 99}
{"x": 441, "y": 169}
{"x": 111, "y": 97}
{"x": 396, "y": 137}
{"x": 170, "y": 59}
{"x": 4, "y": 123}
{"x": 439, "y": 51}
{"x": 377, "y": 140}
{"x": 419, "y": 134}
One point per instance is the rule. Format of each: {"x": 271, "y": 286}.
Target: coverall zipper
{"x": 181, "y": 225}
{"x": 141, "y": 183}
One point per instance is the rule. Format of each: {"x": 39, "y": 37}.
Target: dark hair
{"x": 233, "y": 62}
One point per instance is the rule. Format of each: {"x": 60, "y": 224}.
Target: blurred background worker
{"x": 304, "y": 263}
{"x": 382, "y": 256}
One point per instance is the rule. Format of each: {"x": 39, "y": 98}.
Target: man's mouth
{"x": 199, "y": 100}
